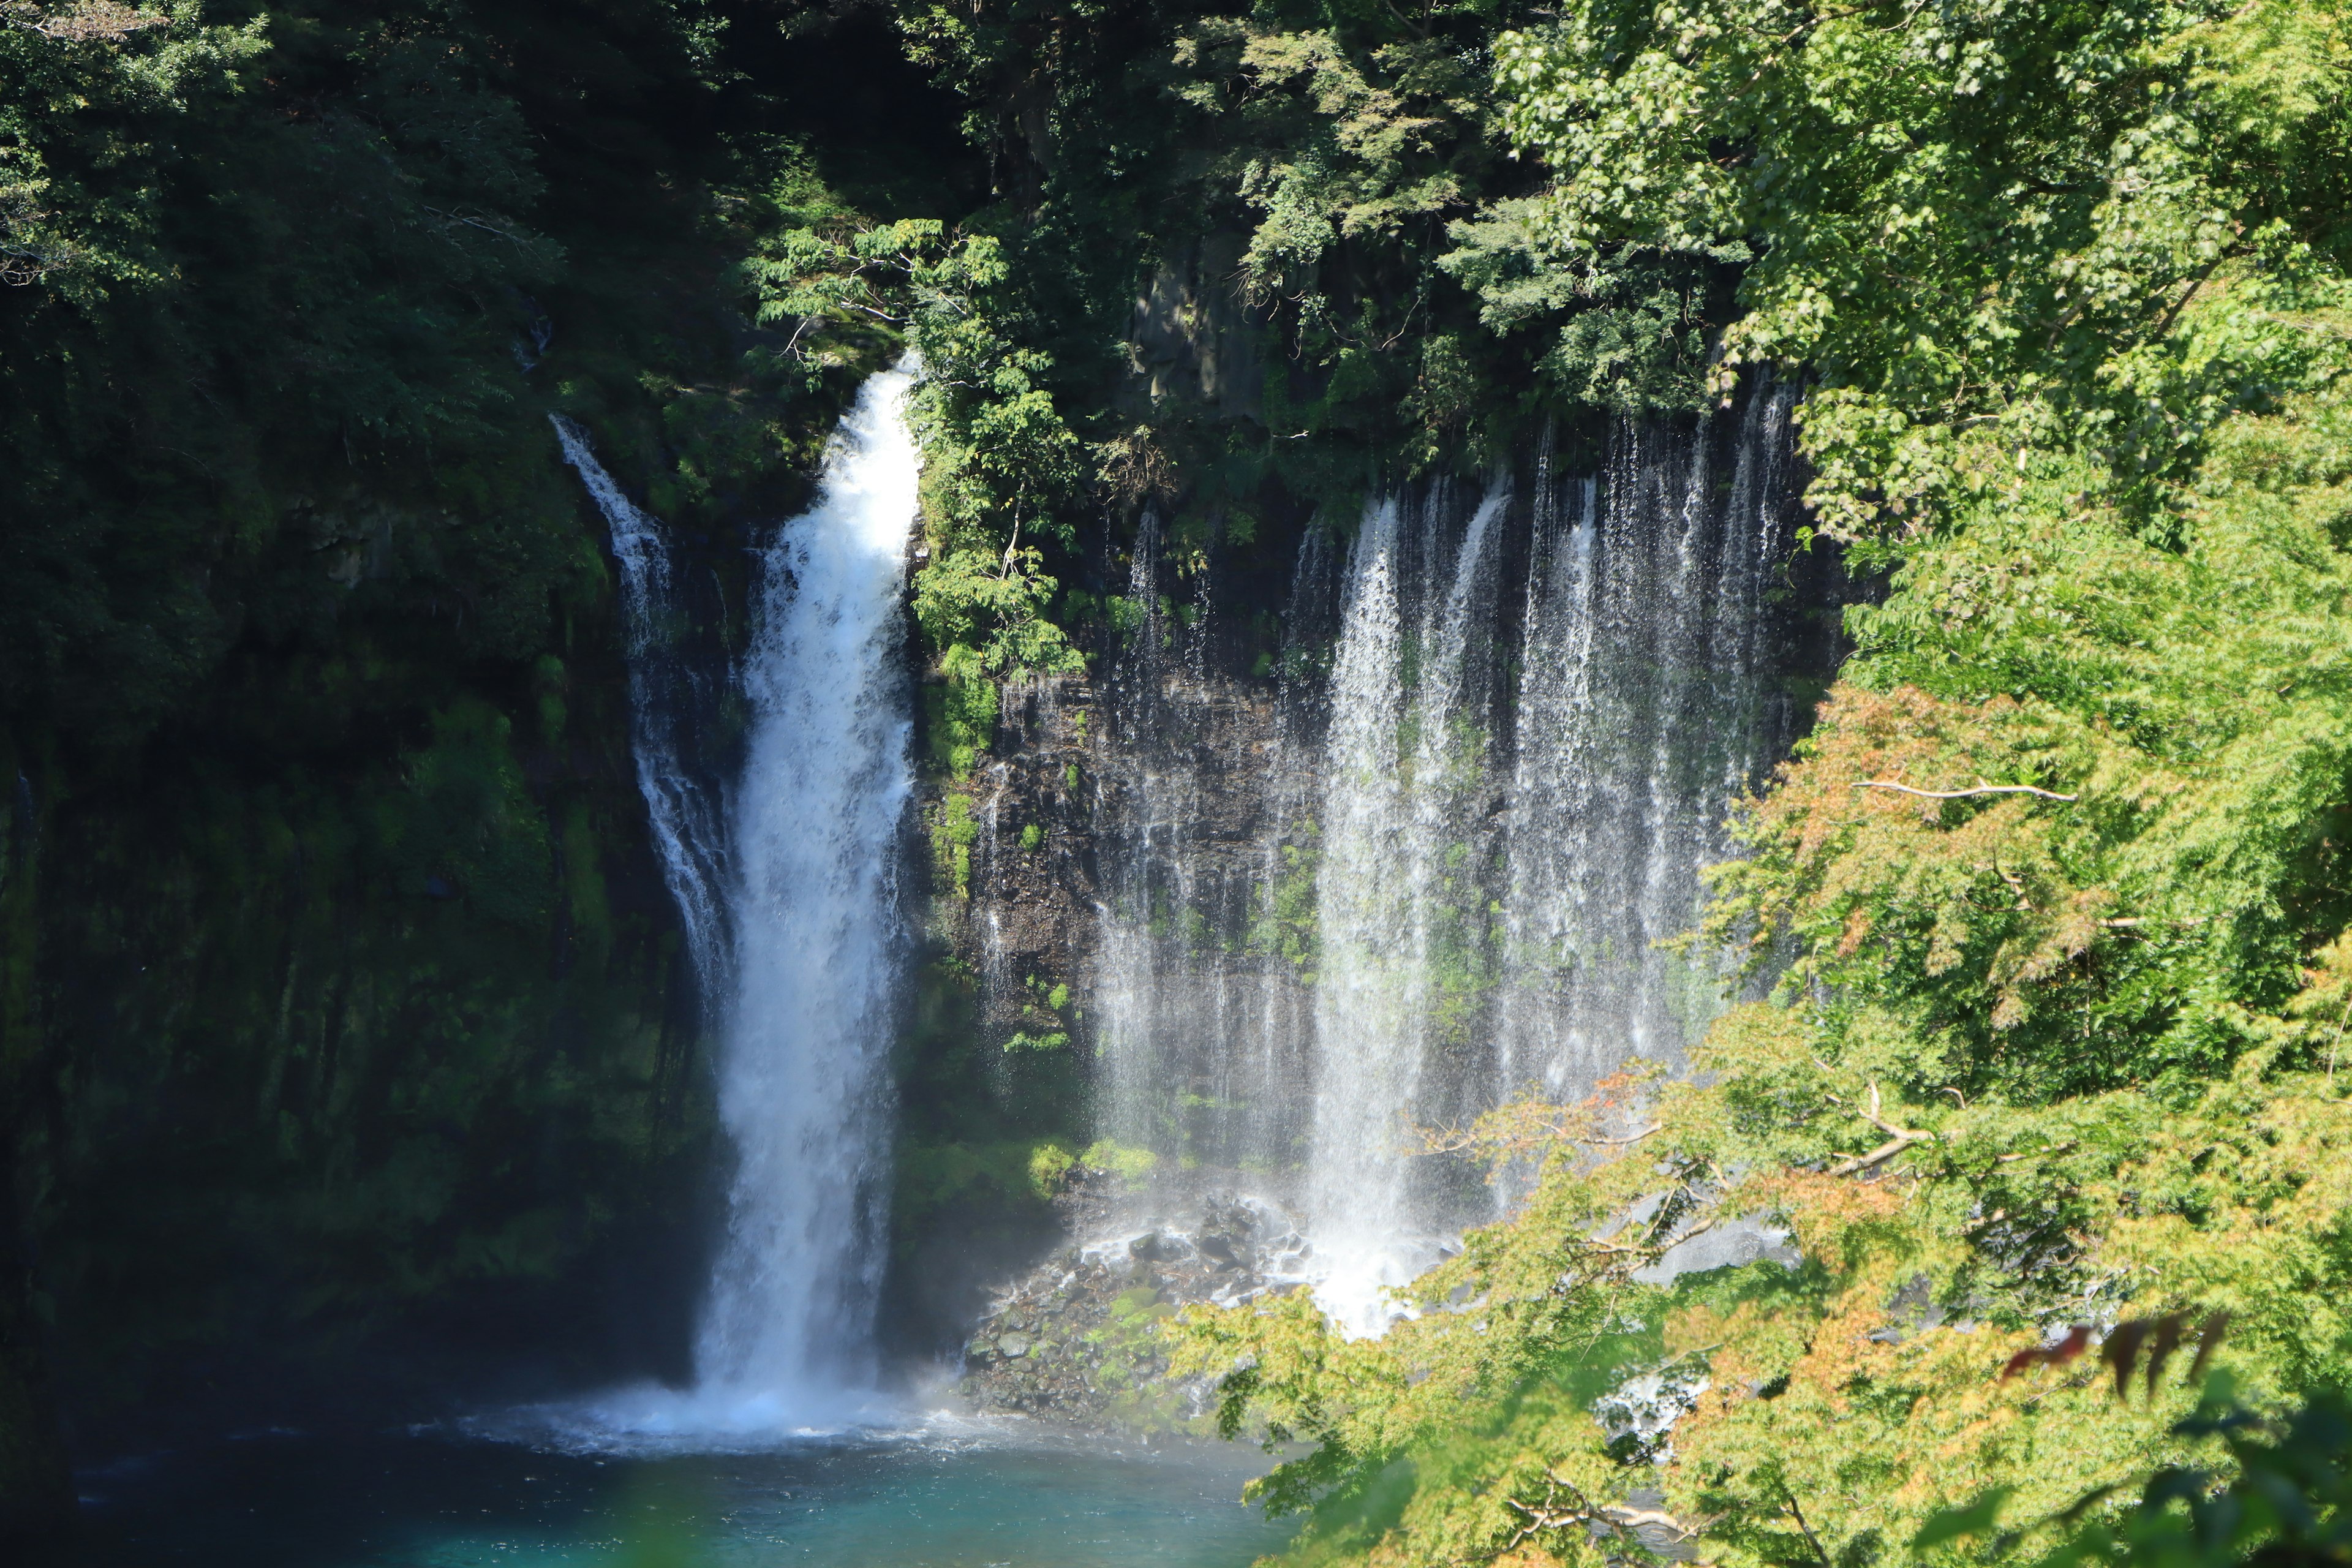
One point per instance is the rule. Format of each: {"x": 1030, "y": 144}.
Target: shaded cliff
{"x": 347, "y": 1053}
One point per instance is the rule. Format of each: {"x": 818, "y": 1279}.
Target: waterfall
{"x": 1508, "y": 731}
{"x": 1403, "y": 755}
{"x": 810, "y": 924}
{"x": 667, "y": 694}
{"x": 1642, "y": 714}
{"x": 802, "y": 1085}
{"x": 1197, "y": 1007}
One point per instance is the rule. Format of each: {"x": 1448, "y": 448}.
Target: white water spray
{"x": 1399, "y": 755}
{"x": 803, "y": 1089}
{"x": 1507, "y": 809}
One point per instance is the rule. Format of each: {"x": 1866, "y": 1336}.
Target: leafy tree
{"x": 2283, "y": 1498}
{"x": 998, "y": 456}
{"x": 1977, "y": 227}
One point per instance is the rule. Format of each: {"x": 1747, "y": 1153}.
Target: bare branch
{"x": 1565, "y": 1507}
{"x": 1880, "y": 1155}
{"x": 1799, "y": 1515}
{"x": 1962, "y": 794}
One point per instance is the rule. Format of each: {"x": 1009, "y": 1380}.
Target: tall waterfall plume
{"x": 799, "y": 876}
{"x": 1405, "y": 745}
{"x": 802, "y": 1085}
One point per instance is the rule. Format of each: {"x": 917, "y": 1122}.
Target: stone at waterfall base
{"x": 1079, "y": 1339}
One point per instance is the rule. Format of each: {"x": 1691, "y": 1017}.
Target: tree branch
{"x": 1558, "y": 1513}
{"x": 2181, "y": 304}
{"x": 1800, "y": 1513}
{"x": 1898, "y": 1138}
{"x": 1962, "y": 794}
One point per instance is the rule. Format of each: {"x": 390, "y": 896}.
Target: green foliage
{"x": 1629, "y": 330}
{"x": 203, "y": 292}
{"x": 954, "y": 831}
{"x": 961, "y": 708}
{"x": 1823, "y": 1409}
{"x": 2284, "y": 1495}
{"x": 1015, "y": 1175}
{"x": 997, "y": 455}
{"x": 1326, "y": 144}
{"x": 1338, "y": 144}
{"x": 465, "y": 826}
{"x": 1286, "y": 922}
{"x": 1975, "y": 226}
{"x": 1118, "y": 1160}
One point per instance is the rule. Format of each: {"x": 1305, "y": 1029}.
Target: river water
{"x": 440, "y": 1498}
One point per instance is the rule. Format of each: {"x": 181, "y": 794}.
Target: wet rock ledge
{"x": 1077, "y": 1339}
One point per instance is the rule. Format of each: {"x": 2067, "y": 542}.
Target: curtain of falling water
{"x": 1197, "y": 1007}
{"x": 1401, "y": 913}
{"x": 1497, "y": 851}
{"x": 1644, "y": 709}
{"x": 802, "y": 1082}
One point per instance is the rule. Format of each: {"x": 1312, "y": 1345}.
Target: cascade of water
{"x": 1367, "y": 1002}
{"x": 1498, "y": 803}
{"x": 1152, "y": 808}
{"x": 1194, "y": 1004}
{"x": 1641, "y": 715}
{"x": 666, "y": 696}
{"x": 1403, "y": 750}
{"x": 802, "y": 1086}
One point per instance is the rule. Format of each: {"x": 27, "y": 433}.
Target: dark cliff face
{"x": 1055, "y": 844}
{"x": 345, "y": 1015}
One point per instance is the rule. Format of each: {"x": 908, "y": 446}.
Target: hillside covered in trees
{"x": 351, "y": 1051}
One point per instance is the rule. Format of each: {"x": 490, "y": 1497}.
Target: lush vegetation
{"x": 326, "y": 908}
{"x": 2055, "y": 893}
